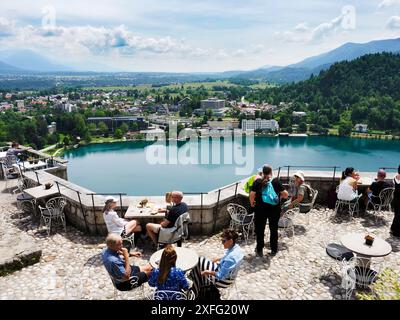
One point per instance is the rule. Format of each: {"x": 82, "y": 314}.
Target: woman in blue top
{"x": 219, "y": 268}
{"x": 167, "y": 276}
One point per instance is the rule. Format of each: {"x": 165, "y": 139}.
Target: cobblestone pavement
{"x": 71, "y": 267}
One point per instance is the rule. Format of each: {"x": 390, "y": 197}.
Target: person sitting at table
{"x": 118, "y": 225}
{"x": 219, "y": 268}
{"x": 168, "y": 200}
{"x": 14, "y": 150}
{"x": 348, "y": 185}
{"x": 376, "y": 187}
{"x": 301, "y": 193}
{"x": 119, "y": 269}
{"x": 171, "y": 216}
{"x": 395, "y": 227}
{"x": 168, "y": 276}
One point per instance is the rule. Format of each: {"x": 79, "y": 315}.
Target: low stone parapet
{"x": 208, "y": 211}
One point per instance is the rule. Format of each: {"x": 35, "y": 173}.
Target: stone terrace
{"x": 70, "y": 266}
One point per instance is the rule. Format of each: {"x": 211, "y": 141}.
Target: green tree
{"x": 67, "y": 140}
{"x": 302, "y": 127}
{"x": 124, "y": 128}
{"x": 209, "y": 113}
{"x": 103, "y": 128}
{"x": 134, "y": 126}
{"x": 345, "y": 128}
{"x": 118, "y": 134}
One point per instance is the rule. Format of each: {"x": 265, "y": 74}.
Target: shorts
{"x": 140, "y": 278}
{"x": 155, "y": 228}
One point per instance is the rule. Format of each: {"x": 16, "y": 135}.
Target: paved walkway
{"x": 71, "y": 267}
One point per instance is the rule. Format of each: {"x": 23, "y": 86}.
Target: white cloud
{"x": 94, "y": 40}
{"x": 393, "y": 23}
{"x": 388, "y": 3}
{"x": 7, "y": 27}
{"x": 326, "y": 28}
{"x": 305, "y": 34}
{"x": 86, "y": 41}
{"x": 302, "y": 27}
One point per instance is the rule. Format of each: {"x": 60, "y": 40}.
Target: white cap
{"x": 300, "y": 174}
{"x": 111, "y": 199}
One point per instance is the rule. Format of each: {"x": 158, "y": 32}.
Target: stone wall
{"x": 208, "y": 215}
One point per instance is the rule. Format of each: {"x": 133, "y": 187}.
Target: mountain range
{"x": 20, "y": 61}
{"x": 28, "y": 60}
{"x": 313, "y": 65}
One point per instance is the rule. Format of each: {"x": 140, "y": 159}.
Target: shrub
{"x": 386, "y": 287}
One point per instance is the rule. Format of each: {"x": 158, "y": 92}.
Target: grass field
{"x": 185, "y": 86}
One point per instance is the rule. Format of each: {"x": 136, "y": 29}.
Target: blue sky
{"x": 187, "y": 35}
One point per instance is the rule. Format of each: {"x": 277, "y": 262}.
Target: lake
{"x": 140, "y": 167}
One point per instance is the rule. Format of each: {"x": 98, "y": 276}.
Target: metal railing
{"x": 80, "y": 202}
{"x": 307, "y": 167}
{"x": 121, "y": 213}
{"x": 389, "y": 168}
{"x": 216, "y": 208}
{"x": 119, "y": 194}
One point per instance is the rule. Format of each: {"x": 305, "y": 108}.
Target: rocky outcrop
{"x": 17, "y": 250}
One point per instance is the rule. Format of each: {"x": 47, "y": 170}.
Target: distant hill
{"x": 31, "y": 61}
{"x": 313, "y": 65}
{"x": 4, "y": 67}
{"x": 349, "y": 51}
{"x": 364, "y": 90}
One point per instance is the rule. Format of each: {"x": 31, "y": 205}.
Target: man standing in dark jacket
{"x": 261, "y": 199}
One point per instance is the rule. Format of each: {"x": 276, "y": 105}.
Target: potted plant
{"x": 369, "y": 240}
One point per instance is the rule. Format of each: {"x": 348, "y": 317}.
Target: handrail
{"x": 80, "y": 202}
{"x": 103, "y": 194}
{"x": 109, "y": 194}
{"x": 388, "y": 168}
{"x": 308, "y": 167}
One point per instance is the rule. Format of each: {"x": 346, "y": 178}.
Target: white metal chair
{"x": 118, "y": 294}
{"x": 23, "y": 183}
{"x": 353, "y": 206}
{"x": 286, "y": 224}
{"x": 177, "y": 233}
{"x": 172, "y": 295}
{"x": 382, "y": 202}
{"x": 335, "y": 252}
{"x": 287, "y": 220}
{"x": 241, "y": 219}
{"x": 305, "y": 208}
{"x": 10, "y": 174}
{"x": 228, "y": 284}
{"x": 10, "y": 160}
{"x": 357, "y": 273}
{"x": 54, "y": 211}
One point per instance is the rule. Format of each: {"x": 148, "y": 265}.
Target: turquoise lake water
{"x": 132, "y": 168}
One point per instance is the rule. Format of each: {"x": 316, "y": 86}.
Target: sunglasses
{"x": 224, "y": 240}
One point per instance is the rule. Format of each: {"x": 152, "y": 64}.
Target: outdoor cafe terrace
{"x": 68, "y": 265}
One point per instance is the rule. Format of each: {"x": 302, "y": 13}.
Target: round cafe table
{"x": 356, "y": 243}
{"x": 186, "y": 258}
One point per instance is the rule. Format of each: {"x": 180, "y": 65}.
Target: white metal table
{"x": 186, "y": 258}
{"x": 136, "y": 211}
{"x": 41, "y": 192}
{"x": 26, "y": 166}
{"x": 356, "y": 243}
